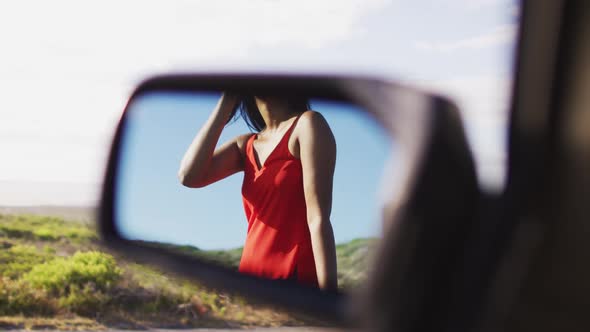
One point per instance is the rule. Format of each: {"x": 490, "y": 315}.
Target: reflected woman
{"x": 288, "y": 170}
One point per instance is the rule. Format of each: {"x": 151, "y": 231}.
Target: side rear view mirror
{"x": 170, "y": 197}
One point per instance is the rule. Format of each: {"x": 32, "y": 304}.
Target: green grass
{"x": 41, "y": 228}
{"x": 61, "y": 275}
{"x": 55, "y": 272}
{"x": 352, "y": 258}
{"x": 230, "y": 257}
{"x": 17, "y": 259}
{"x": 353, "y": 261}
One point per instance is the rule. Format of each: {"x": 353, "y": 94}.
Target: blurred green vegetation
{"x": 352, "y": 258}
{"x": 16, "y": 259}
{"x": 54, "y": 273}
{"x": 62, "y": 275}
{"x": 32, "y": 227}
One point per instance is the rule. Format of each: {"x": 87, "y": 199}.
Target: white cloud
{"x": 68, "y": 66}
{"x": 479, "y": 5}
{"x": 501, "y": 35}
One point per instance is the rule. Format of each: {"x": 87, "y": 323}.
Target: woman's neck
{"x": 274, "y": 115}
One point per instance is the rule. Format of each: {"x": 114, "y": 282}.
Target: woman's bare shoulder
{"x": 314, "y": 124}
{"x": 312, "y": 132}
{"x": 241, "y": 140}
{"x": 311, "y": 115}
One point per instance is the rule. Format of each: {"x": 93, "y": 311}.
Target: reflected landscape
{"x": 322, "y": 199}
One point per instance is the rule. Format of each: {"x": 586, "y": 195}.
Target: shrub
{"x": 19, "y": 259}
{"x": 17, "y": 297}
{"x": 45, "y": 234}
{"x": 64, "y": 275}
{"x": 86, "y": 301}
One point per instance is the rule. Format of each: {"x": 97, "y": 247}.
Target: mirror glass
{"x": 153, "y": 206}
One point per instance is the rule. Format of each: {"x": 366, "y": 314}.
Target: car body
{"x": 458, "y": 258}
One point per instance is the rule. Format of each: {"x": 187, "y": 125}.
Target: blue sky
{"x": 155, "y": 206}
{"x": 69, "y": 66}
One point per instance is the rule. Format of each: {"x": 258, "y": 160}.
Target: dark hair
{"x": 248, "y": 110}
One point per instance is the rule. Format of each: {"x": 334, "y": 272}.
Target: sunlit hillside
{"x": 55, "y": 274}
{"x": 352, "y": 258}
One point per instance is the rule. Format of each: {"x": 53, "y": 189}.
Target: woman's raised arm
{"x": 202, "y": 164}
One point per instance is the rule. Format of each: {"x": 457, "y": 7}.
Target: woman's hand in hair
{"x": 228, "y": 101}
{"x": 202, "y": 164}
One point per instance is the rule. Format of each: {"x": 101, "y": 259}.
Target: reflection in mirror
{"x": 295, "y": 199}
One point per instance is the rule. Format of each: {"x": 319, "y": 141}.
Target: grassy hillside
{"x": 55, "y": 274}
{"x": 85, "y": 214}
{"x": 352, "y": 258}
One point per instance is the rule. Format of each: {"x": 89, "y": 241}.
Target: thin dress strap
{"x": 290, "y": 130}
{"x": 250, "y": 146}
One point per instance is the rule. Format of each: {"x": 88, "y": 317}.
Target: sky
{"x": 153, "y": 205}
{"x": 68, "y": 67}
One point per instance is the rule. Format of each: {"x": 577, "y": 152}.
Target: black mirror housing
{"x": 413, "y": 117}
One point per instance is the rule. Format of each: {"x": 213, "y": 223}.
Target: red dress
{"x": 278, "y": 243}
